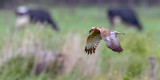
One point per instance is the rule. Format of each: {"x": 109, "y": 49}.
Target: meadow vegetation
{"x": 18, "y": 48}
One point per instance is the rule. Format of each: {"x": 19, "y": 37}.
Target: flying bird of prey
{"x": 96, "y": 34}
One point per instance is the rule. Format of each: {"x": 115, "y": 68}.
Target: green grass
{"x": 132, "y": 64}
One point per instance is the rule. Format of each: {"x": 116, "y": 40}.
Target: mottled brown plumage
{"x": 99, "y": 33}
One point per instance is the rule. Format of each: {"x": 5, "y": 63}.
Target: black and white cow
{"x": 26, "y": 16}
{"x": 125, "y": 15}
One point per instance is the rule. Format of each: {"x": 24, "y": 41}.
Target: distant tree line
{"x": 13, "y": 3}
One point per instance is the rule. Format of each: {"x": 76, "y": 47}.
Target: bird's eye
{"x": 90, "y": 31}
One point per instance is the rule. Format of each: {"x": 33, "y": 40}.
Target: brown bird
{"x": 99, "y": 33}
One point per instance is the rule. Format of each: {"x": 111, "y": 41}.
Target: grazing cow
{"x": 125, "y": 15}
{"x": 26, "y": 16}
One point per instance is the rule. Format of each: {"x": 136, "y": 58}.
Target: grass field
{"x": 132, "y": 64}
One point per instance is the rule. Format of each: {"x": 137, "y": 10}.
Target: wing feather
{"x": 92, "y": 42}
{"x": 112, "y": 42}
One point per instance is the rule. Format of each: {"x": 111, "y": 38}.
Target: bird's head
{"x": 94, "y": 29}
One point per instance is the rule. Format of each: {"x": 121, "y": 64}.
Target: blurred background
{"x": 38, "y": 52}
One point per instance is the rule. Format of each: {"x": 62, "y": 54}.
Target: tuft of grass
{"x": 16, "y": 69}
{"x": 135, "y": 68}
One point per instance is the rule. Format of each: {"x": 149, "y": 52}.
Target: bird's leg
{"x": 120, "y": 33}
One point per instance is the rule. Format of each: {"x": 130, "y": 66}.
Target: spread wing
{"x": 112, "y": 42}
{"x": 92, "y": 42}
